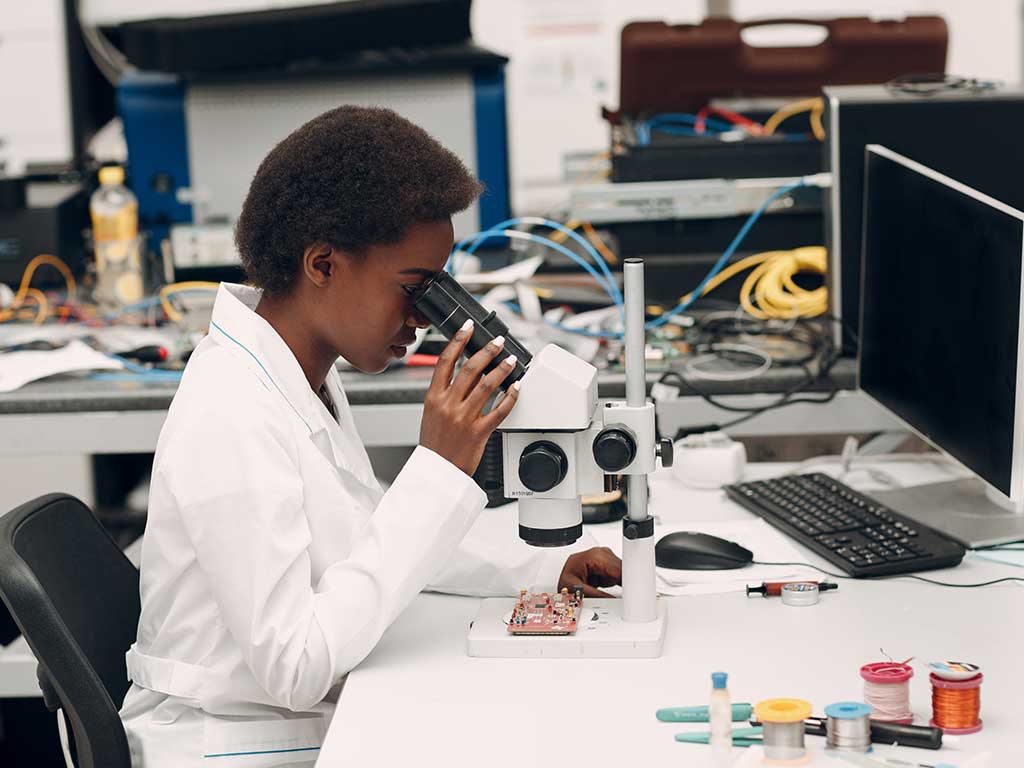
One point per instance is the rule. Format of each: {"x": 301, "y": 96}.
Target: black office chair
{"x": 75, "y": 598}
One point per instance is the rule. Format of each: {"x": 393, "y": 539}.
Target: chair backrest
{"x": 75, "y": 598}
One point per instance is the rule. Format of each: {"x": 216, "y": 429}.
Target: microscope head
{"x": 546, "y": 440}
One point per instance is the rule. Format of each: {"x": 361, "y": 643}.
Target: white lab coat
{"x": 273, "y": 560}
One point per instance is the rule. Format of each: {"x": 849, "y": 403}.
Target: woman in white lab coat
{"x": 273, "y": 561}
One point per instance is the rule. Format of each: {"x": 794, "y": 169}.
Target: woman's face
{"x": 370, "y": 319}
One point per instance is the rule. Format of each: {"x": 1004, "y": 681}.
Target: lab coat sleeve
{"x": 492, "y": 561}
{"x": 240, "y": 493}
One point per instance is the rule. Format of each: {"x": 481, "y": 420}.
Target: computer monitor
{"x": 941, "y": 339}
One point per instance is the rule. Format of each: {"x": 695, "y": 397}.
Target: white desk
{"x": 418, "y": 699}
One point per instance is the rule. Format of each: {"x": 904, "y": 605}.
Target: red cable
{"x": 733, "y": 117}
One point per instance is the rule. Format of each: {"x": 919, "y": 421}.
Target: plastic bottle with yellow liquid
{"x": 115, "y": 231}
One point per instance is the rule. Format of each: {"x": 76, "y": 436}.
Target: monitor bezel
{"x": 1016, "y": 494}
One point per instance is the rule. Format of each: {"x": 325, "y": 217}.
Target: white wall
{"x": 35, "y": 107}
{"x": 23, "y": 478}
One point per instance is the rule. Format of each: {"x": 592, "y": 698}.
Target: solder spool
{"x": 956, "y": 704}
{"x": 887, "y": 690}
{"x": 800, "y": 593}
{"x": 848, "y": 726}
{"x": 783, "y": 722}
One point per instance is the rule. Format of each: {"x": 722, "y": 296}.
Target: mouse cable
{"x": 897, "y": 576}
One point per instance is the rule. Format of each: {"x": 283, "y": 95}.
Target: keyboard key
{"x": 834, "y": 542}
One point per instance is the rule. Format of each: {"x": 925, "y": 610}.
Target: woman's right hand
{"x": 454, "y": 425}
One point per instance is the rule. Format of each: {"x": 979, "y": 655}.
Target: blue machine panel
{"x": 152, "y": 108}
{"x": 491, "y": 144}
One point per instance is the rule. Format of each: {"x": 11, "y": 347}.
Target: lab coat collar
{"x": 251, "y": 338}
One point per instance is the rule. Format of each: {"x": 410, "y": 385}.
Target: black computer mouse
{"x": 689, "y": 551}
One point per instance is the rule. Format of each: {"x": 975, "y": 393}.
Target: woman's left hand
{"x": 593, "y": 568}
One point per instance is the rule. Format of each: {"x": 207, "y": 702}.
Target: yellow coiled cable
{"x": 772, "y": 285}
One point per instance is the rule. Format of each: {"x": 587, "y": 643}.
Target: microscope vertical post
{"x": 639, "y": 590}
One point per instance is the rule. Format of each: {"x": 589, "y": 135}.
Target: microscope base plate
{"x": 601, "y": 634}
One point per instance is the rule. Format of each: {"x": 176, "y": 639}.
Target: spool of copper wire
{"x": 956, "y": 704}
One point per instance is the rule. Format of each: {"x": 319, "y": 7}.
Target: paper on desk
{"x": 767, "y": 544}
{"x": 115, "y": 339}
{"x": 513, "y": 273}
{"x": 19, "y": 368}
{"x": 1012, "y": 557}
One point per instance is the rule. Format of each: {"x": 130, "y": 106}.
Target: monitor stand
{"x": 962, "y": 509}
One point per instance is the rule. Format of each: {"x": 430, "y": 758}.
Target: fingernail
{"x": 517, "y": 386}
{"x": 466, "y": 328}
{"x": 510, "y": 361}
{"x": 498, "y": 341}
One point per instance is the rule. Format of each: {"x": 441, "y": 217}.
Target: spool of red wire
{"x": 887, "y": 690}
{"x": 956, "y": 704}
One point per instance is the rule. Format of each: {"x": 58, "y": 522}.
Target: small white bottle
{"x": 720, "y": 717}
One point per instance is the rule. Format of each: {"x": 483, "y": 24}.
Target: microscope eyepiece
{"x": 447, "y": 305}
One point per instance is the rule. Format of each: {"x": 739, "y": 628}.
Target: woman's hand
{"x": 592, "y": 568}
{"x": 454, "y": 425}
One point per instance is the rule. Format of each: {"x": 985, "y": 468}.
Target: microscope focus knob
{"x": 614, "y": 449}
{"x": 542, "y": 466}
{"x": 666, "y": 452}
{"x": 631, "y": 531}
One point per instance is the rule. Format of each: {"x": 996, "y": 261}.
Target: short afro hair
{"x": 351, "y": 178}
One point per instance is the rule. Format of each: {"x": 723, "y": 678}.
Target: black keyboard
{"x": 850, "y": 530}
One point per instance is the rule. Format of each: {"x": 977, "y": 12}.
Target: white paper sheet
{"x": 19, "y": 368}
{"x": 513, "y": 273}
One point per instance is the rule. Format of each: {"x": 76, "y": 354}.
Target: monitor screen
{"x": 940, "y": 311}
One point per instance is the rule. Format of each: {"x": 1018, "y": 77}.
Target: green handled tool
{"x": 740, "y": 712}
{"x": 741, "y": 737}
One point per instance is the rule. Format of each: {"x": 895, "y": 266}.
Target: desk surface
{"x": 419, "y": 699}
{"x": 401, "y": 385}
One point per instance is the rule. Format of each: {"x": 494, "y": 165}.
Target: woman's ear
{"x": 319, "y": 264}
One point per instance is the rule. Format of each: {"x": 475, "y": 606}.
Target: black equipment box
{"x": 669, "y": 158}
{"x": 291, "y": 37}
{"x": 46, "y": 217}
{"x": 967, "y": 130}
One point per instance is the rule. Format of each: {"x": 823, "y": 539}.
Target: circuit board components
{"x": 546, "y": 614}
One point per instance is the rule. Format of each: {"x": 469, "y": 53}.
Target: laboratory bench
{"x": 86, "y": 416}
